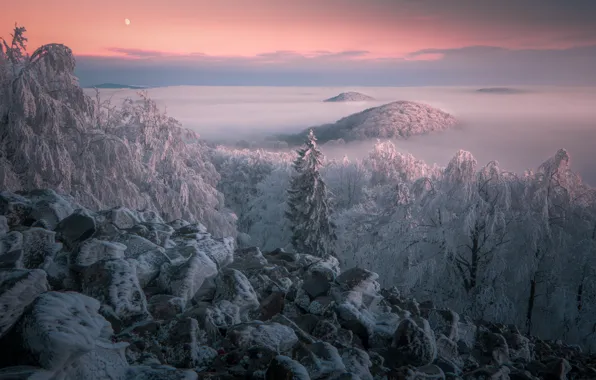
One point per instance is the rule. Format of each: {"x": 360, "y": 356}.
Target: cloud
{"x": 469, "y": 65}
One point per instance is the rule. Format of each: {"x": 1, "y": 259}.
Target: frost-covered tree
{"x": 53, "y": 136}
{"x": 346, "y": 180}
{"x": 309, "y": 211}
{"x": 265, "y": 219}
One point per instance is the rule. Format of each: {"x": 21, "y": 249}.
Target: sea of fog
{"x": 518, "y": 129}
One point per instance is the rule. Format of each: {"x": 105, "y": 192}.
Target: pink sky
{"x": 384, "y": 28}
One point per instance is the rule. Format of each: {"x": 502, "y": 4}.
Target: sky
{"x": 318, "y": 42}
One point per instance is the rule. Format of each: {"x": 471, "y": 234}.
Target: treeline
{"x": 493, "y": 244}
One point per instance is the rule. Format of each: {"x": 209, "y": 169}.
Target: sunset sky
{"x": 318, "y": 42}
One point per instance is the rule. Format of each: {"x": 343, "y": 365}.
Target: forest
{"x": 514, "y": 248}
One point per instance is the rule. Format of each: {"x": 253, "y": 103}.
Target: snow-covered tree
{"x": 309, "y": 211}
{"x": 52, "y": 135}
{"x": 346, "y": 180}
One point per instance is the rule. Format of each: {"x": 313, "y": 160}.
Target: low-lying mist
{"x": 520, "y": 129}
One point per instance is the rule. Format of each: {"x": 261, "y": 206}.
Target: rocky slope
{"x": 120, "y": 294}
{"x": 397, "y": 120}
{"x": 350, "y": 96}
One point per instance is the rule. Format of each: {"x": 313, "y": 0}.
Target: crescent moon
{"x": 126, "y": 21}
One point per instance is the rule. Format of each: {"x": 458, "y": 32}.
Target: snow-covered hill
{"x": 399, "y": 120}
{"x": 350, "y": 96}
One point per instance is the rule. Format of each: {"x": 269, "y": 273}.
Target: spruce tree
{"x": 309, "y": 210}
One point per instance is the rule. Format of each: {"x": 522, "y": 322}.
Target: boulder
{"x": 18, "y": 289}
{"x": 284, "y": 368}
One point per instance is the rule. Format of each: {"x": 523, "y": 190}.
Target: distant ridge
{"x": 499, "y": 90}
{"x": 350, "y": 96}
{"x": 116, "y": 85}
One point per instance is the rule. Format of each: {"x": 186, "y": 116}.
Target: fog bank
{"x": 519, "y": 128}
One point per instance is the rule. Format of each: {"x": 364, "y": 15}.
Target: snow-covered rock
{"x": 57, "y": 330}
{"x": 186, "y": 278}
{"x": 18, "y": 288}
{"x": 233, "y": 286}
{"x": 115, "y": 284}
{"x": 213, "y": 312}
{"x": 273, "y": 335}
{"x": 283, "y": 367}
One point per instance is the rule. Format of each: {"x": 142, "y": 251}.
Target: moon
{"x": 126, "y": 22}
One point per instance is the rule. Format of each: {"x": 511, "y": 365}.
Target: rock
{"x": 248, "y": 259}
{"x": 414, "y": 343}
{"x": 4, "y": 228}
{"x": 284, "y": 368}
{"x": 15, "y": 208}
{"x": 75, "y": 228}
{"x": 447, "y": 349}
{"x": 18, "y": 289}
{"x": 106, "y": 361}
{"x": 57, "y": 329}
{"x": 221, "y": 251}
{"x": 183, "y": 228}
{"x": 491, "y": 372}
{"x": 233, "y": 286}
{"x": 94, "y": 250}
{"x": 181, "y": 344}
{"x": 146, "y": 256}
{"x": 430, "y": 372}
{"x": 328, "y": 267}
{"x": 359, "y": 280}
{"x": 467, "y": 332}
{"x": 121, "y": 217}
{"x": 272, "y": 305}
{"x": 157, "y": 233}
{"x": 494, "y": 346}
{"x": 321, "y": 360}
{"x": 357, "y": 362}
{"x": 160, "y": 372}
{"x": 273, "y": 335}
{"x": 322, "y": 305}
{"x": 316, "y": 285}
{"x": 39, "y": 247}
{"x": 114, "y": 283}
{"x": 11, "y": 250}
{"x": 384, "y": 329}
{"x": 360, "y": 322}
{"x": 444, "y": 322}
{"x": 165, "y": 306}
{"x": 519, "y": 347}
{"x": 185, "y": 279}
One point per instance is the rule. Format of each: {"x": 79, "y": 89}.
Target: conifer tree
{"x": 309, "y": 210}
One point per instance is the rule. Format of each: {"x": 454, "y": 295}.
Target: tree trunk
{"x": 530, "y": 311}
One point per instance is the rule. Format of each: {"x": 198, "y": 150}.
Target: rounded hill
{"x": 350, "y": 97}
{"x": 397, "y": 120}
